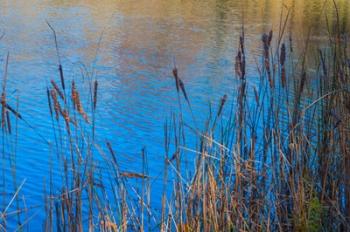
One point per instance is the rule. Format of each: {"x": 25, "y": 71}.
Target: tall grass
{"x": 271, "y": 158}
{"x": 280, "y": 161}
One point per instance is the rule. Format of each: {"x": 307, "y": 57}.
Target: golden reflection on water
{"x": 163, "y": 25}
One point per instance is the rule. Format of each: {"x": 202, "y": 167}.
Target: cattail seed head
{"x": 55, "y": 86}
{"x": 56, "y": 104}
{"x": 95, "y": 94}
{"x": 176, "y": 77}
{"x": 283, "y": 54}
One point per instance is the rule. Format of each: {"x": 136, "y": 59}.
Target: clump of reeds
{"x": 261, "y": 173}
{"x": 253, "y": 171}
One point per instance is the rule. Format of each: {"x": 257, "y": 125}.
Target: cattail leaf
{"x": 18, "y": 115}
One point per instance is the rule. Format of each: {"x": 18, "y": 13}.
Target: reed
{"x": 271, "y": 158}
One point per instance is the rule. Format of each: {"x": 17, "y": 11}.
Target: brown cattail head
{"x": 302, "y": 82}
{"x": 61, "y": 76}
{"x": 283, "y": 54}
{"x": 270, "y": 38}
{"x": 240, "y": 58}
{"x": 8, "y": 122}
{"x": 222, "y": 103}
{"x": 266, "y": 46}
{"x": 66, "y": 118}
{"x": 3, "y": 110}
{"x": 182, "y": 87}
{"x": 241, "y": 43}
{"x": 80, "y": 108}
{"x": 238, "y": 65}
{"x": 266, "y": 39}
{"x": 56, "y": 104}
{"x": 95, "y": 94}
{"x": 55, "y": 86}
{"x": 74, "y": 95}
{"x": 283, "y": 77}
{"x": 282, "y": 62}
{"x": 77, "y": 103}
{"x": 176, "y": 77}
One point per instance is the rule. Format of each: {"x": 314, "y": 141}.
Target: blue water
{"x": 130, "y": 49}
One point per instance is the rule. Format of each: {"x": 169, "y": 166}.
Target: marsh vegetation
{"x": 272, "y": 155}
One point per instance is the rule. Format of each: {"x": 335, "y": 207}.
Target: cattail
{"x": 182, "y": 86}
{"x": 8, "y": 122}
{"x": 241, "y": 43}
{"x": 66, "y": 118}
{"x": 222, "y": 103}
{"x": 238, "y": 65}
{"x": 57, "y": 89}
{"x": 283, "y": 54}
{"x": 3, "y": 110}
{"x": 242, "y": 89}
{"x": 267, "y": 43}
{"x": 61, "y": 76}
{"x": 56, "y": 104}
{"x": 176, "y": 77}
{"x": 95, "y": 93}
{"x": 283, "y": 77}
{"x": 77, "y": 103}
{"x": 270, "y": 38}
{"x": 74, "y": 95}
{"x": 266, "y": 39}
{"x": 80, "y": 108}
{"x": 242, "y": 57}
{"x": 282, "y": 62}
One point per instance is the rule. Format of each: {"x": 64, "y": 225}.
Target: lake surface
{"x": 131, "y": 47}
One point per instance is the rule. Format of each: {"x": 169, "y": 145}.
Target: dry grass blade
{"x": 133, "y": 175}
{"x": 13, "y": 198}
{"x": 18, "y": 115}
